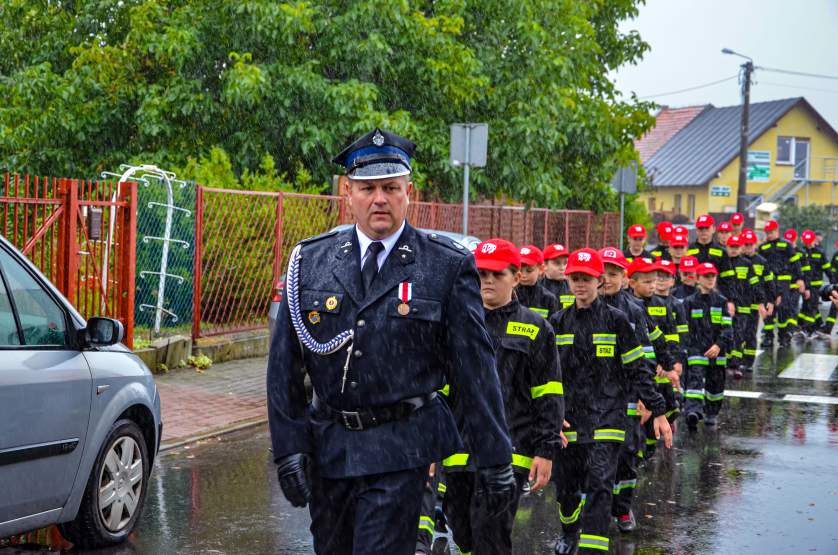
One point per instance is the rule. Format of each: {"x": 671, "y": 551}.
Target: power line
{"x": 697, "y": 87}
{"x": 801, "y": 73}
{"x": 833, "y": 91}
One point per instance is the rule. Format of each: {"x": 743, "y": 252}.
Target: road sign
{"x": 625, "y": 180}
{"x": 469, "y": 143}
{"x": 720, "y": 190}
{"x": 759, "y": 165}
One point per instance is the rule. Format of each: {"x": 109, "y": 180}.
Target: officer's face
{"x": 584, "y": 287}
{"x": 530, "y": 274}
{"x": 554, "y": 268}
{"x": 612, "y": 280}
{"x": 705, "y": 234}
{"x": 496, "y": 287}
{"x": 379, "y": 206}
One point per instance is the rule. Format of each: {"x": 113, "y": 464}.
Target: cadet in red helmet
{"x": 810, "y": 316}
{"x": 530, "y": 291}
{"x": 738, "y": 283}
{"x": 784, "y": 262}
{"x": 601, "y": 360}
{"x": 555, "y": 260}
{"x": 762, "y": 305}
{"x": 665, "y": 231}
{"x": 723, "y": 232}
{"x": 709, "y": 338}
{"x": 833, "y": 310}
{"x": 705, "y": 248}
{"x": 636, "y": 243}
{"x": 677, "y": 249}
{"x": 687, "y": 277}
{"x": 797, "y": 289}
{"x": 737, "y": 221}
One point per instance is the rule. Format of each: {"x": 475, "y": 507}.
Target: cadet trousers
{"x": 625, "y": 480}
{"x": 741, "y": 321}
{"x": 749, "y": 347}
{"x": 584, "y": 477}
{"x": 705, "y": 389}
{"x": 431, "y": 519}
{"x": 475, "y": 530}
{"x": 369, "y": 515}
{"x": 789, "y": 309}
{"x": 830, "y": 319}
{"x": 810, "y": 318}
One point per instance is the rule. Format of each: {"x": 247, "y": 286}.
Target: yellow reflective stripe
{"x": 593, "y": 542}
{"x": 457, "y": 459}
{"x": 520, "y": 328}
{"x": 655, "y": 333}
{"x": 426, "y": 523}
{"x": 784, "y": 277}
{"x": 632, "y": 355}
{"x": 661, "y": 379}
{"x": 571, "y": 436}
{"x": 672, "y": 337}
{"x": 605, "y": 338}
{"x": 574, "y": 516}
{"x": 727, "y": 273}
{"x": 564, "y": 339}
{"x": 795, "y": 257}
{"x": 692, "y": 252}
{"x": 550, "y": 388}
{"x": 521, "y": 461}
{"x": 609, "y": 434}
{"x": 714, "y": 252}
{"x": 445, "y": 390}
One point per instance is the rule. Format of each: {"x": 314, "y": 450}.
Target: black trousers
{"x": 705, "y": 388}
{"x": 789, "y": 308}
{"x": 810, "y": 318}
{"x": 433, "y": 495}
{"x": 830, "y": 319}
{"x": 474, "y": 529}
{"x": 625, "y": 480}
{"x": 369, "y": 515}
{"x": 584, "y": 478}
{"x": 749, "y": 351}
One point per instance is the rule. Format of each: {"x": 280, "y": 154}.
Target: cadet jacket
{"x": 783, "y": 260}
{"x": 531, "y": 382}
{"x": 738, "y": 283}
{"x": 818, "y": 266}
{"x": 764, "y": 292}
{"x": 561, "y": 290}
{"x": 395, "y": 355}
{"x": 711, "y": 252}
{"x": 538, "y": 299}
{"x": 833, "y": 268}
{"x": 709, "y": 324}
{"x": 676, "y": 308}
{"x": 659, "y": 314}
{"x": 601, "y": 361}
{"x": 661, "y": 251}
{"x": 644, "y": 254}
{"x": 682, "y": 290}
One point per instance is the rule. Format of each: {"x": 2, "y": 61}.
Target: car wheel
{"x": 115, "y": 492}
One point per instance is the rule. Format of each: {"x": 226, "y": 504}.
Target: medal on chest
{"x": 405, "y": 296}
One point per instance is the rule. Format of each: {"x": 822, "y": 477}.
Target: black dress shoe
{"x": 568, "y": 543}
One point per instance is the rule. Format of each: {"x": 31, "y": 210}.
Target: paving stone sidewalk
{"x": 226, "y": 395}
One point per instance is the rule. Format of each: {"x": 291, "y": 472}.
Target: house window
{"x": 784, "y": 150}
{"x": 691, "y": 207}
{"x": 794, "y": 151}
{"x": 676, "y": 205}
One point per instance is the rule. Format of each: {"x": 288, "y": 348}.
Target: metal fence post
{"x": 197, "y": 269}
{"x": 71, "y": 209}
{"x": 129, "y": 265}
{"x": 278, "y": 235}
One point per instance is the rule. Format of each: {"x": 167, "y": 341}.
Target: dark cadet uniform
{"x": 561, "y": 290}
{"x": 709, "y": 324}
{"x": 603, "y": 365}
{"x": 833, "y": 311}
{"x": 763, "y": 294}
{"x": 739, "y": 284}
{"x": 643, "y": 254}
{"x": 782, "y": 260}
{"x": 375, "y": 422}
{"x": 682, "y": 290}
{"x": 538, "y": 299}
{"x": 707, "y": 252}
{"x": 810, "y": 315}
{"x": 531, "y": 384}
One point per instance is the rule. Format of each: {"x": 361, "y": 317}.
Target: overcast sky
{"x": 686, "y": 38}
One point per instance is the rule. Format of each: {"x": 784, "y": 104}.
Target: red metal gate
{"x": 82, "y": 235}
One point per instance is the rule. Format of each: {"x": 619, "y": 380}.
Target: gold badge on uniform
{"x": 314, "y": 317}
{"x": 405, "y": 296}
{"x": 331, "y": 303}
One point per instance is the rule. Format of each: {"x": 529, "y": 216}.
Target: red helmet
{"x": 641, "y": 265}
{"x": 584, "y": 261}
{"x": 705, "y": 220}
{"x": 531, "y": 255}
{"x": 808, "y": 237}
{"x": 678, "y": 240}
{"x": 664, "y": 230}
{"x": 555, "y": 250}
{"x": 734, "y": 241}
{"x": 725, "y": 227}
{"x": 771, "y": 225}
{"x": 706, "y": 268}
{"x": 737, "y": 219}
{"x": 496, "y": 254}
{"x": 636, "y": 230}
{"x": 610, "y": 255}
{"x": 688, "y": 264}
{"x": 790, "y": 235}
{"x": 667, "y": 266}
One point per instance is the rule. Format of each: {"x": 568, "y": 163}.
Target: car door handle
{"x": 101, "y": 389}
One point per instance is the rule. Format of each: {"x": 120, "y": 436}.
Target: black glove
{"x": 292, "y": 472}
{"x": 496, "y": 487}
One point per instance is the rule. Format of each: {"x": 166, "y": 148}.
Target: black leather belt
{"x": 361, "y": 419}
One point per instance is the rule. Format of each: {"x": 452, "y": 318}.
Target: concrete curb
{"x": 175, "y": 350}
{"x": 234, "y": 427}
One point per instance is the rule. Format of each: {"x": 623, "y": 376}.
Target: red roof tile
{"x": 668, "y": 122}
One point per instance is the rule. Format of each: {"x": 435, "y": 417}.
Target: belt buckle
{"x": 352, "y": 420}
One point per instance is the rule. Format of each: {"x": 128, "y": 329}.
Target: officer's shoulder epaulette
{"x": 320, "y": 237}
{"x": 447, "y": 242}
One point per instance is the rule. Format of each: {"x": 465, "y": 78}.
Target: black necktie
{"x": 370, "y": 269}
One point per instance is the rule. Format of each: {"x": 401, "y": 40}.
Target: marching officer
{"x": 705, "y": 249}
{"x": 810, "y": 315}
{"x": 781, "y": 260}
{"x": 380, "y": 316}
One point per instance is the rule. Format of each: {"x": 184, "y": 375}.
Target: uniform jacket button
{"x": 361, "y": 323}
{"x": 358, "y": 354}
{"x": 353, "y": 385}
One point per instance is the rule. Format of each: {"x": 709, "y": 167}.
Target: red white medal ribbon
{"x": 405, "y": 291}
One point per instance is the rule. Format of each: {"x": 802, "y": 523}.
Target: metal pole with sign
{"x": 469, "y": 143}
{"x": 624, "y": 181}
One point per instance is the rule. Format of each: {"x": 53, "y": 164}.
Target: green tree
{"x": 89, "y": 84}
{"x": 816, "y": 218}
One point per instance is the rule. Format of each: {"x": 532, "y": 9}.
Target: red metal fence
{"x": 64, "y": 225}
{"x": 243, "y": 239}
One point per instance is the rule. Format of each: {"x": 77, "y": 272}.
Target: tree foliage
{"x": 814, "y": 217}
{"x": 89, "y": 84}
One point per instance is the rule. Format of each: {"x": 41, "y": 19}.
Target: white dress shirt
{"x": 389, "y": 242}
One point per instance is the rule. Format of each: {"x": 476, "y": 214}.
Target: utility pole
{"x": 742, "y": 190}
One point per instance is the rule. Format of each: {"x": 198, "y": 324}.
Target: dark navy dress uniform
{"x": 372, "y": 437}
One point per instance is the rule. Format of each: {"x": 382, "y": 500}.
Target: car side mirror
{"x": 102, "y": 332}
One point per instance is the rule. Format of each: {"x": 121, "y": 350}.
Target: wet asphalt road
{"x": 766, "y": 482}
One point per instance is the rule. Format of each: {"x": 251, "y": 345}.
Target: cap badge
{"x": 583, "y": 257}
{"x": 525, "y": 250}
{"x": 488, "y": 248}
{"x": 331, "y": 303}
{"x": 378, "y": 139}
{"x": 314, "y": 317}
{"x": 609, "y": 253}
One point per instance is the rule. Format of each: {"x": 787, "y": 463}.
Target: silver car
{"x": 79, "y": 415}
{"x": 468, "y": 241}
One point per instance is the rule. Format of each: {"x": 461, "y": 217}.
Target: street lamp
{"x": 747, "y": 68}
